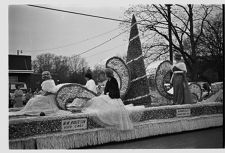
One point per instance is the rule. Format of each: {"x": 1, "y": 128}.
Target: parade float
{"x": 70, "y": 128}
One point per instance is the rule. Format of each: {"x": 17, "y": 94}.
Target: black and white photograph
{"x": 95, "y": 75}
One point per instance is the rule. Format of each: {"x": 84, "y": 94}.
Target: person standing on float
{"x": 182, "y": 93}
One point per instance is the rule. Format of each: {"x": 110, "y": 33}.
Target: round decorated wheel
{"x": 67, "y": 93}
{"x": 162, "y": 78}
{"x": 196, "y": 89}
{"x": 121, "y": 73}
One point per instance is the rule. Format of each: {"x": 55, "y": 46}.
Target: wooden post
{"x": 169, "y": 30}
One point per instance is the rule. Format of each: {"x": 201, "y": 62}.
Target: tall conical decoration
{"x": 138, "y": 93}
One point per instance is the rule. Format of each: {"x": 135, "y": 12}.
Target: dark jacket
{"x": 112, "y": 88}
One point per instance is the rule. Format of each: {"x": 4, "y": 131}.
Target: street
{"x": 206, "y": 138}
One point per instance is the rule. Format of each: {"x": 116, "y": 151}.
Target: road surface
{"x": 205, "y": 138}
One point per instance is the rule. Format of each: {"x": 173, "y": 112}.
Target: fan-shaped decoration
{"x": 161, "y": 77}
{"x": 196, "y": 89}
{"x": 121, "y": 73}
{"x": 67, "y": 93}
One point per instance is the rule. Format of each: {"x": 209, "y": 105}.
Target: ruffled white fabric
{"x": 37, "y": 105}
{"x": 41, "y": 103}
{"x": 49, "y": 86}
{"x": 111, "y": 112}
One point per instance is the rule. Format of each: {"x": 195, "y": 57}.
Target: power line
{"x": 65, "y": 11}
{"x": 84, "y": 14}
{"x": 75, "y": 43}
{"x": 105, "y": 51}
{"x": 104, "y": 42}
{"x": 101, "y": 44}
{"x": 115, "y": 47}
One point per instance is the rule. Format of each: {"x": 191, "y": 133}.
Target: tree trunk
{"x": 193, "y": 45}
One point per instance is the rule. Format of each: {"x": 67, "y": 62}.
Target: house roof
{"x": 21, "y": 71}
{"x": 20, "y": 63}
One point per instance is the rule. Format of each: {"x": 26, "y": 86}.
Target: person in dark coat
{"x": 109, "y": 108}
{"x": 112, "y": 87}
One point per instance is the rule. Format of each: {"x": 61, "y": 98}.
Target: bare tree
{"x": 211, "y": 40}
{"x": 210, "y": 46}
{"x": 65, "y": 68}
{"x": 77, "y": 64}
{"x": 153, "y": 24}
{"x": 43, "y": 62}
{"x": 61, "y": 68}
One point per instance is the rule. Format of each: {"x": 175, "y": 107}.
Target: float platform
{"x": 75, "y": 130}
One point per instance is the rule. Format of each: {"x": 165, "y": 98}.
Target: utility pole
{"x": 223, "y": 28}
{"x": 223, "y": 48}
{"x": 170, "y": 32}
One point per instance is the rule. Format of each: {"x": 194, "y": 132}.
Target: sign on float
{"x": 183, "y": 112}
{"x": 74, "y": 124}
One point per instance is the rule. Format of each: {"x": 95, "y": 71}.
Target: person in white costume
{"x": 109, "y": 108}
{"x": 41, "y": 104}
{"x": 90, "y": 84}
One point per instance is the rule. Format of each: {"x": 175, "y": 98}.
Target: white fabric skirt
{"x": 111, "y": 112}
{"x": 37, "y": 105}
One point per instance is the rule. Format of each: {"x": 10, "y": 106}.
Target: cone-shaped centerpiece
{"x": 138, "y": 93}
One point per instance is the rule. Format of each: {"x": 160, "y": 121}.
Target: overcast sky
{"x": 33, "y": 29}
